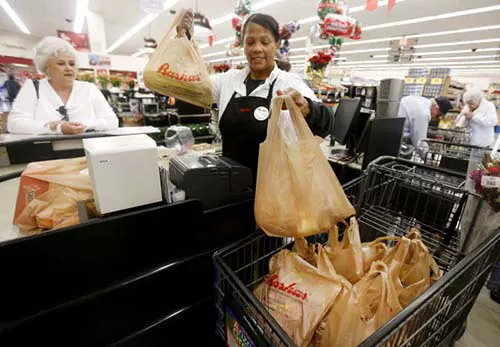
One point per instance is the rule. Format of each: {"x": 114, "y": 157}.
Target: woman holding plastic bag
{"x": 244, "y": 96}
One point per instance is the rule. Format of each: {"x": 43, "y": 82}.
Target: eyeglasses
{"x": 63, "y": 112}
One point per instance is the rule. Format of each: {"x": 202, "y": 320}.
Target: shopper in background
{"x": 481, "y": 116}
{"x": 244, "y": 96}
{"x": 418, "y": 112}
{"x": 58, "y": 103}
{"x": 12, "y": 87}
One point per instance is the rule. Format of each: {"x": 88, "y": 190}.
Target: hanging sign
{"x": 436, "y": 81}
{"x": 409, "y": 80}
{"x": 421, "y": 80}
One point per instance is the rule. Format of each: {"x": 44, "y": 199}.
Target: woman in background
{"x": 58, "y": 103}
{"x": 481, "y": 116}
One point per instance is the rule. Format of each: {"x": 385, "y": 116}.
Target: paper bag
{"x": 177, "y": 69}
{"x": 346, "y": 256}
{"x": 49, "y": 192}
{"x": 297, "y": 192}
{"x": 297, "y": 294}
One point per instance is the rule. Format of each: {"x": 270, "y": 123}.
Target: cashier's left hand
{"x": 298, "y": 99}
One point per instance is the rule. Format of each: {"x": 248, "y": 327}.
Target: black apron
{"x": 241, "y": 132}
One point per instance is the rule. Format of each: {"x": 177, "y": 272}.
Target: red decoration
{"x": 337, "y": 25}
{"x": 390, "y": 5}
{"x": 320, "y": 61}
{"x": 371, "y": 5}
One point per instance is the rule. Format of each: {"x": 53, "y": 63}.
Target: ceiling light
{"x": 214, "y": 54}
{"x": 458, "y": 51}
{"x": 458, "y": 58}
{"x": 457, "y": 43}
{"x": 260, "y": 5}
{"x": 223, "y": 59}
{"x": 229, "y": 16}
{"x": 13, "y": 15}
{"x": 418, "y": 63}
{"x": 81, "y": 13}
{"x": 145, "y": 21}
{"x": 431, "y": 18}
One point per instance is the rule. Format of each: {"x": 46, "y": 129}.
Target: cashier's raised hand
{"x": 298, "y": 99}
{"x": 186, "y": 25}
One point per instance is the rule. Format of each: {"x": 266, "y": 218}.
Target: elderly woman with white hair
{"x": 58, "y": 104}
{"x": 481, "y": 116}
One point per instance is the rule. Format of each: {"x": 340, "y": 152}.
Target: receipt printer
{"x": 212, "y": 180}
{"x": 124, "y": 171}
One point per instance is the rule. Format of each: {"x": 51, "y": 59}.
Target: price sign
{"x": 490, "y": 182}
{"x": 409, "y": 80}
{"x": 437, "y": 81}
{"x": 421, "y": 80}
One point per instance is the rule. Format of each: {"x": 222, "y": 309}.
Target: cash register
{"x": 211, "y": 179}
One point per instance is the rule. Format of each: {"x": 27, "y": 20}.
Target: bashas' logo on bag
{"x": 165, "y": 70}
{"x": 290, "y": 289}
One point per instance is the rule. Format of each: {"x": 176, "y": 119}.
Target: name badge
{"x": 261, "y": 113}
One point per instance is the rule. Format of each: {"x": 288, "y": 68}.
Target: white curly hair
{"x": 51, "y": 46}
{"x": 473, "y": 95}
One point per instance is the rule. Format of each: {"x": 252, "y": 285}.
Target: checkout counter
{"x": 136, "y": 277}
{"x": 20, "y": 149}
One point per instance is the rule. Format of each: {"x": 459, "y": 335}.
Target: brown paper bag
{"x": 297, "y": 294}
{"x": 347, "y": 255}
{"x": 419, "y": 270}
{"x": 49, "y": 192}
{"x": 177, "y": 69}
{"x": 297, "y": 192}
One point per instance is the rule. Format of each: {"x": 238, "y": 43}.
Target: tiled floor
{"x": 483, "y": 324}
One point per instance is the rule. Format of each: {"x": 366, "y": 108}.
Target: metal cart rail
{"x": 461, "y": 135}
{"x": 388, "y": 201}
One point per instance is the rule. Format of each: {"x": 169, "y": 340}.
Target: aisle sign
{"x": 421, "y": 80}
{"x": 409, "y": 80}
{"x": 490, "y": 182}
{"x": 437, "y": 81}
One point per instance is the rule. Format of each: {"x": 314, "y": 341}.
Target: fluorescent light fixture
{"x": 432, "y": 18}
{"x": 456, "y": 43}
{"x": 457, "y": 58}
{"x": 297, "y": 39}
{"x": 418, "y": 65}
{"x": 456, "y": 51}
{"x": 214, "y": 54}
{"x": 145, "y": 21}
{"x": 229, "y": 16}
{"x": 81, "y": 13}
{"x": 223, "y": 59}
{"x": 260, "y": 5}
{"x": 13, "y": 15}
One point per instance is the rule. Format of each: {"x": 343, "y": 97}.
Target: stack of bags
{"x": 341, "y": 293}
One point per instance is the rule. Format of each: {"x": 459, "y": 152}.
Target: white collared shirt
{"x": 225, "y": 84}
{"x": 482, "y": 125}
{"x": 85, "y": 105}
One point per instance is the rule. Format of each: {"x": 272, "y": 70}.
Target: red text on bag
{"x": 274, "y": 282}
{"x": 165, "y": 71}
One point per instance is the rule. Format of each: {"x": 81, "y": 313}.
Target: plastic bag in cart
{"x": 297, "y": 294}
{"x": 177, "y": 69}
{"x": 297, "y": 192}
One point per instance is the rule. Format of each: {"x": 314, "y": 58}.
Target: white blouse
{"x": 482, "y": 125}
{"x": 85, "y": 105}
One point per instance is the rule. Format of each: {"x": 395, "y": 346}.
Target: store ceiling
{"x": 44, "y": 18}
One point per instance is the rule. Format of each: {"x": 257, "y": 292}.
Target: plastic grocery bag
{"x": 49, "y": 192}
{"x": 306, "y": 251}
{"x": 372, "y": 251}
{"x": 177, "y": 69}
{"x": 297, "y": 294}
{"x": 419, "y": 270}
{"x": 346, "y": 256}
{"x": 297, "y": 192}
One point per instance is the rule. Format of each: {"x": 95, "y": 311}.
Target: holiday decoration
{"x": 286, "y": 32}
{"x": 335, "y": 24}
{"x": 317, "y": 66}
{"x": 242, "y": 10}
{"x": 205, "y": 29}
{"x": 372, "y": 5}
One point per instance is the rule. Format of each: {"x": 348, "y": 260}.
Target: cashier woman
{"x": 61, "y": 105}
{"x": 244, "y": 96}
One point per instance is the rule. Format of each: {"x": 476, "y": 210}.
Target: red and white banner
{"x": 79, "y": 41}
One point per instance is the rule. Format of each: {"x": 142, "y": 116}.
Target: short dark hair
{"x": 265, "y": 21}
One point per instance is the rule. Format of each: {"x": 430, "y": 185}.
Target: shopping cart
{"x": 461, "y": 135}
{"x": 389, "y": 200}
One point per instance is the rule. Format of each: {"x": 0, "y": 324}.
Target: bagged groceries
{"x": 297, "y": 192}
{"x": 346, "y": 256}
{"x": 341, "y": 293}
{"x": 177, "y": 69}
{"x": 49, "y": 192}
{"x": 297, "y": 294}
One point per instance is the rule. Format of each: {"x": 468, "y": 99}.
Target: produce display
{"x": 340, "y": 293}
